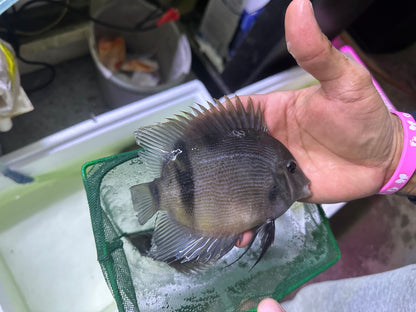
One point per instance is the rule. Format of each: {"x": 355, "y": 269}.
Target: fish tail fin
{"x": 145, "y": 200}
{"x": 186, "y": 251}
{"x": 266, "y": 233}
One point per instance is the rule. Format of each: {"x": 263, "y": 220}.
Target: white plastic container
{"x": 45, "y": 225}
{"x": 166, "y": 45}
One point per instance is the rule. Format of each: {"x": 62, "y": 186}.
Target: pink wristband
{"x": 407, "y": 163}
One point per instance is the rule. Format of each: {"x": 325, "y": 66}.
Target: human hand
{"x": 269, "y": 305}
{"x": 340, "y": 132}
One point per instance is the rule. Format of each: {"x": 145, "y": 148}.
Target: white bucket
{"x": 165, "y": 44}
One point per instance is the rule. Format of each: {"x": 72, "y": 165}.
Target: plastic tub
{"x": 165, "y": 45}
{"x": 47, "y": 251}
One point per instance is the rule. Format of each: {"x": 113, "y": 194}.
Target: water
{"x": 300, "y": 248}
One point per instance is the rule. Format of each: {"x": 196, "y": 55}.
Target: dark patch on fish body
{"x": 210, "y": 139}
{"x": 273, "y": 193}
{"x": 232, "y": 185}
{"x": 154, "y": 190}
{"x": 184, "y": 175}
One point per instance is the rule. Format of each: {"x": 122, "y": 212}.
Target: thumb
{"x": 269, "y": 305}
{"x": 315, "y": 53}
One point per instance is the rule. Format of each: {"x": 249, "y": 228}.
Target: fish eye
{"x": 291, "y": 166}
{"x": 273, "y": 192}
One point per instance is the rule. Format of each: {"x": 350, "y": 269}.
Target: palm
{"x": 339, "y": 131}
{"x": 339, "y": 152}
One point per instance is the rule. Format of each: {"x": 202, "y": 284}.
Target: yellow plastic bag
{"x": 13, "y": 99}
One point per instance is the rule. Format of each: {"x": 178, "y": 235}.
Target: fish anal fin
{"x": 176, "y": 245}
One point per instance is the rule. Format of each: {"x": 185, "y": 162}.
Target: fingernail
{"x": 269, "y": 304}
{"x": 304, "y": 4}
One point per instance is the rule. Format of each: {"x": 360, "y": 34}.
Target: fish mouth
{"x": 298, "y": 190}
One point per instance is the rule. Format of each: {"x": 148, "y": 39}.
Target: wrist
{"x": 400, "y": 172}
{"x": 410, "y": 186}
{"x": 397, "y": 148}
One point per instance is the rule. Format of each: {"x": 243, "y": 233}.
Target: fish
{"x": 218, "y": 173}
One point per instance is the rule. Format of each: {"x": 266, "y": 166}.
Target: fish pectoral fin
{"x": 266, "y": 233}
{"x": 144, "y": 200}
{"x": 186, "y": 251}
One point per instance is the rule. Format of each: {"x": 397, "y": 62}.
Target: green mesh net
{"x": 108, "y": 242}
{"x": 303, "y": 248}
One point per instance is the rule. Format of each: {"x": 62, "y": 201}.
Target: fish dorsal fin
{"x": 226, "y": 117}
{"x": 186, "y": 251}
{"x": 244, "y": 118}
{"x": 159, "y": 140}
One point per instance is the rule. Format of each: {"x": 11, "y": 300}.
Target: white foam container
{"x": 47, "y": 251}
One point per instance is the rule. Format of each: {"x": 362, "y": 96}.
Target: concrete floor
{"x": 72, "y": 97}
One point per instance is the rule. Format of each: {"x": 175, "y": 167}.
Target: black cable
{"x": 13, "y": 39}
{"x": 35, "y": 32}
{"x": 43, "y": 85}
{"x": 156, "y": 13}
{"x": 11, "y": 33}
{"x": 137, "y": 28}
